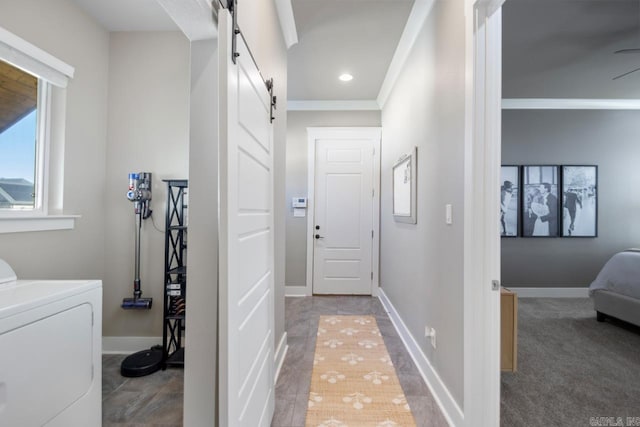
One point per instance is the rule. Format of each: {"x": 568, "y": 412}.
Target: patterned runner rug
{"x": 353, "y": 383}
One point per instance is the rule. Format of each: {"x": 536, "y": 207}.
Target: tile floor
{"x": 301, "y": 323}
{"x": 156, "y": 400}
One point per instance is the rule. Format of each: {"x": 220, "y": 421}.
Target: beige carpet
{"x": 353, "y": 381}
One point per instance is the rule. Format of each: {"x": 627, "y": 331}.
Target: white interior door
{"x": 344, "y": 208}
{"x": 246, "y": 366}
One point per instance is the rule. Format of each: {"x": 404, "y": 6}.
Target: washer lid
{"x": 6, "y": 273}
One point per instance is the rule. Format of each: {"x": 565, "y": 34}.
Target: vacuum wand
{"x": 140, "y": 194}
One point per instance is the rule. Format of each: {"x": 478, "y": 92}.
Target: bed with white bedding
{"x": 616, "y": 290}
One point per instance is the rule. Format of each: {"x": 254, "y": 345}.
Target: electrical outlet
{"x": 431, "y": 334}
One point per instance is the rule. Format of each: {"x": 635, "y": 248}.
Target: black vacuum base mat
{"x": 142, "y": 363}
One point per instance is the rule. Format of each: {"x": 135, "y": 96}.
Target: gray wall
{"x": 296, "y": 181}
{"x": 148, "y": 131}
{"x": 60, "y": 28}
{"x": 421, "y": 265}
{"x": 608, "y": 139}
{"x": 127, "y": 110}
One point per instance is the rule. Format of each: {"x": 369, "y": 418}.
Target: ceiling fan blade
{"x": 626, "y": 74}
{"x": 636, "y": 50}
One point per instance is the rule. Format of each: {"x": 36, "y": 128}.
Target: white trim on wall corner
{"x": 337, "y": 105}
{"x": 522, "y": 292}
{"x": 287, "y": 22}
{"x": 128, "y": 345}
{"x": 449, "y": 407}
{"x": 193, "y": 17}
{"x": 418, "y": 16}
{"x": 569, "y": 104}
{"x": 281, "y": 353}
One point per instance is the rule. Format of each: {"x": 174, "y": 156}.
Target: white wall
{"x": 202, "y": 316}
{"x": 296, "y": 182}
{"x": 421, "y": 266}
{"x": 60, "y": 28}
{"x": 149, "y": 87}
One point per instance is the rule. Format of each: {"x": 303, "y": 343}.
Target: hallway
{"x": 301, "y": 317}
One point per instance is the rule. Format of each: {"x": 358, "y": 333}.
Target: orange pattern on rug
{"x": 353, "y": 383}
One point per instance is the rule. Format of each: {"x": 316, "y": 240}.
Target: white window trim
{"x": 50, "y": 71}
{"x": 22, "y": 54}
{"x": 43, "y": 142}
{"x": 24, "y": 223}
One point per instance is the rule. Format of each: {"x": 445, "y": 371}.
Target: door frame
{"x": 313, "y": 134}
{"x": 483, "y": 120}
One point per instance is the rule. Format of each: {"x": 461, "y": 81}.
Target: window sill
{"x": 19, "y": 224}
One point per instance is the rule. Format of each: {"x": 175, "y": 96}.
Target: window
{"x": 20, "y": 177}
{"x": 27, "y": 76}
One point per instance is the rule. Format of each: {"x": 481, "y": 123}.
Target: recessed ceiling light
{"x": 346, "y": 77}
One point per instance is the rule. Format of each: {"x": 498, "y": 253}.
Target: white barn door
{"x": 246, "y": 322}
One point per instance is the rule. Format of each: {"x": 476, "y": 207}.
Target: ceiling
{"x": 565, "y": 49}
{"x": 551, "y": 48}
{"x": 128, "y": 15}
{"x": 340, "y": 36}
{"x": 335, "y": 36}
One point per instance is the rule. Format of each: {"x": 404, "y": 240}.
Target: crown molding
{"x": 321, "y": 105}
{"x": 415, "y": 22}
{"x": 569, "y": 104}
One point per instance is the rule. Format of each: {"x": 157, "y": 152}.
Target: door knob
{"x": 319, "y": 236}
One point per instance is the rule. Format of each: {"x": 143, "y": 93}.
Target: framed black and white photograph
{"x": 404, "y": 188}
{"x": 579, "y": 201}
{"x": 509, "y": 196}
{"x": 540, "y": 202}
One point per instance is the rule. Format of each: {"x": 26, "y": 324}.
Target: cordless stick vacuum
{"x": 143, "y": 362}
{"x": 140, "y": 194}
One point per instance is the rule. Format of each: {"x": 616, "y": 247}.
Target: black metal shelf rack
{"x": 175, "y": 273}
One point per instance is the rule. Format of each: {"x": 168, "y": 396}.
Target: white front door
{"x": 344, "y": 211}
{"x": 246, "y": 366}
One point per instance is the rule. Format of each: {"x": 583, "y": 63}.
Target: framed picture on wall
{"x": 579, "y": 201}
{"x": 540, "y": 201}
{"x": 404, "y": 175}
{"x": 509, "y": 197}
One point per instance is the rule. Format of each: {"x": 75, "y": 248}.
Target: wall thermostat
{"x": 299, "y": 202}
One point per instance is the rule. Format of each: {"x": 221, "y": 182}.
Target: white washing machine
{"x": 50, "y": 351}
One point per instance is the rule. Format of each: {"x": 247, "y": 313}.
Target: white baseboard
{"x": 128, "y": 345}
{"x": 296, "y": 291}
{"x": 450, "y": 408}
{"x": 550, "y": 292}
{"x": 281, "y": 353}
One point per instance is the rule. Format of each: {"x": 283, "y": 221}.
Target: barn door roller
{"x": 232, "y": 5}
{"x": 272, "y": 98}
